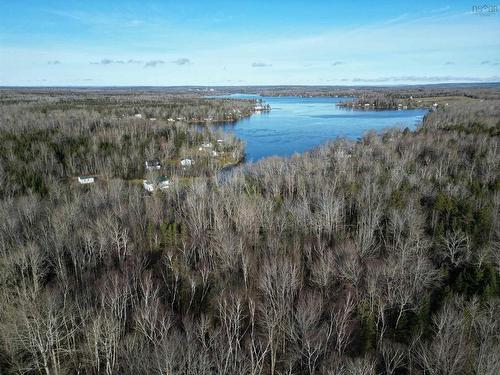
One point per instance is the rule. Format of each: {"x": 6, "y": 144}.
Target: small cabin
{"x": 187, "y": 162}
{"x": 138, "y": 115}
{"x": 153, "y": 164}
{"x": 148, "y": 185}
{"x": 84, "y": 180}
{"x": 162, "y": 183}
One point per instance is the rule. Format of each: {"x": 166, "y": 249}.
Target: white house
{"x": 161, "y": 183}
{"x": 138, "y": 115}
{"x": 187, "y": 162}
{"x": 214, "y": 153}
{"x": 206, "y": 145}
{"x": 86, "y": 180}
{"x": 153, "y": 164}
{"x": 220, "y": 141}
{"x": 148, "y": 186}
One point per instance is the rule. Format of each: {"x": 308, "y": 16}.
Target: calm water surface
{"x": 297, "y": 124}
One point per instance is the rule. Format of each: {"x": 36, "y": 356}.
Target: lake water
{"x": 297, "y": 124}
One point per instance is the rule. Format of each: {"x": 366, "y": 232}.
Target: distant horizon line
{"x": 480, "y": 83}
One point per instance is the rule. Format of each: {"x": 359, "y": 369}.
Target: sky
{"x": 219, "y": 42}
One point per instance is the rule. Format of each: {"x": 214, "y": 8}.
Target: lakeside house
{"x": 85, "y": 180}
{"x": 187, "y": 162}
{"x": 260, "y": 107}
{"x": 153, "y": 164}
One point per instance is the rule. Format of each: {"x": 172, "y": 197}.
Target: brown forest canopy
{"x": 368, "y": 257}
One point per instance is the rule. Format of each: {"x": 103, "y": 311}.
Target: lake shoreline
{"x": 297, "y": 124}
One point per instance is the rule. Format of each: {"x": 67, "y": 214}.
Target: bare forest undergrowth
{"x": 372, "y": 257}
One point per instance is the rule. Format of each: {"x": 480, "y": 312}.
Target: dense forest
{"x": 377, "y": 256}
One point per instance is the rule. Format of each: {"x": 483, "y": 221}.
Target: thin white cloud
{"x": 111, "y": 61}
{"x": 491, "y": 63}
{"x": 54, "y": 62}
{"x": 181, "y": 61}
{"x": 423, "y": 79}
{"x": 260, "y": 65}
{"x": 153, "y": 63}
{"x": 103, "y": 62}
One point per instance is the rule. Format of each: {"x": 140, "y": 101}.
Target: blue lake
{"x": 297, "y": 124}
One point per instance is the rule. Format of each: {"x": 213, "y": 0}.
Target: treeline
{"x": 120, "y": 104}
{"x": 369, "y": 257}
{"x": 479, "y": 117}
{"x": 477, "y": 91}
